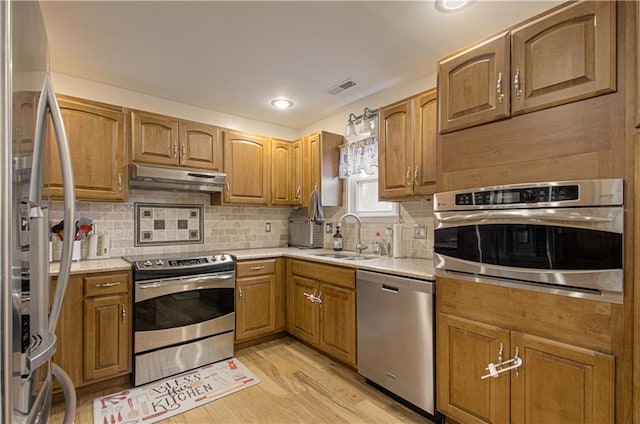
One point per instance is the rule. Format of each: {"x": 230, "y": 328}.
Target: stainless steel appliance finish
{"x": 184, "y": 313}
{"x": 396, "y": 335}
{"x": 304, "y": 233}
{"x": 28, "y": 315}
{"x": 170, "y": 178}
{"x": 559, "y": 237}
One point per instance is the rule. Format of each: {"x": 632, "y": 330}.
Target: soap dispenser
{"x": 337, "y": 240}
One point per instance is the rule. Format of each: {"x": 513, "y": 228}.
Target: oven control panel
{"x": 192, "y": 264}
{"x": 518, "y": 195}
{"x": 534, "y": 195}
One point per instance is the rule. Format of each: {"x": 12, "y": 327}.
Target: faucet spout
{"x": 359, "y": 246}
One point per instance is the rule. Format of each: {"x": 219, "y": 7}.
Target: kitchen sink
{"x": 344, "y": 256}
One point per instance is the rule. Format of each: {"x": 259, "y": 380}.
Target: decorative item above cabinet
{"x": 162, "y": 140}
{"x": 566, "y": 55}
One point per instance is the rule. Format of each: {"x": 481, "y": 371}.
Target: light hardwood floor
{"x": 297, "y": 385}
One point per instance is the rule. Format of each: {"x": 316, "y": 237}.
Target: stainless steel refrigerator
{"x": 28, "y": 310}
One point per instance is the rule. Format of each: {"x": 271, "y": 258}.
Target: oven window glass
{"x": 532, "y": 246}
{"x": 183, "y": 308}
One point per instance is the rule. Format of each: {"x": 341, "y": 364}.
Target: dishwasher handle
{"x": 389, "y": 289}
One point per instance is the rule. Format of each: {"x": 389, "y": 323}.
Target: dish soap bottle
{"x": 337, "y": 240}
{"x": 376, "y": 244}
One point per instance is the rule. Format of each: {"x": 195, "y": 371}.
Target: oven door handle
{"x": 186, "y": 281}
{"x": 523, "y": 217}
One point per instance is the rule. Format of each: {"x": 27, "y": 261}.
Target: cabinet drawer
{"x": 98, "y": 285}
{"x": 257, "y": 267}
{"x": 345, "y": 277}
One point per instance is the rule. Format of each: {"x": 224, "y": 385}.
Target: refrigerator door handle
{"x": 49, "y": 103}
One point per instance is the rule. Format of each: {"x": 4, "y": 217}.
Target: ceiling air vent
{"x": 342, "y": 86}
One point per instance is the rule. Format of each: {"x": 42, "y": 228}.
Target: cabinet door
{"x": 281, "y": 172}
{"x": 297, "y": 166}
{"x": 313, "y": 166}
{"x": 560, "y": 383}
{"x": 338, "y": 322}
{"x": 246, "y": 162}
{"x": 424, "y": 150}
{"x": 96, "y": 141}
{"x": 154, "y": 139}
{"x": 200, "y": 146}
{"x": 107, "y": 346}
{"x": 473, "y": 86}
{"x": 565, "y": 56}
{"x": 304, "y": 313}
{"x": 464, "y": 349}
{"x": 69, "y": 334}
{"x": 395, "y": 150}
{"x": 255, "y": 306}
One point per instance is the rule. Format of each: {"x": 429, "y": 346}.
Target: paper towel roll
{"x": 398, "y": 250}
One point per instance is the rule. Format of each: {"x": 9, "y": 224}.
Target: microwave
{"x": 304, "y": 233}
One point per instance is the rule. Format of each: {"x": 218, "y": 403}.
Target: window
{"x": 362, "y": 199}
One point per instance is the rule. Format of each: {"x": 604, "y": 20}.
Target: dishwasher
{"x": 396, "y": 335}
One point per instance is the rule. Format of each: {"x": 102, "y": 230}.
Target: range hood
{"x": 157, "y": 177}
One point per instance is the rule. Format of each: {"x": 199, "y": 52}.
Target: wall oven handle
{"x": 474, "y": 218}
{"x": 155, "y": 284}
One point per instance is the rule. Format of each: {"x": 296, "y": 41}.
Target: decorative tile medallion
{"x": 159, "y": 224}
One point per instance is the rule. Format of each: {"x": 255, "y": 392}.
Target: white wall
{"x": 72, "y": 86}
{"x": 337, "y": 122}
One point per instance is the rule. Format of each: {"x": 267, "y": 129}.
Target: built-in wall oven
{"x": 558, "y": 237}
{"x": 184, "y": 314}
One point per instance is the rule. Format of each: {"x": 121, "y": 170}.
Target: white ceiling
{"x": 235, "y": 56}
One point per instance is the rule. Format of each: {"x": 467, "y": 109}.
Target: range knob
{"x": 159, "y": 262}
{"x": 147, "y": 263}
{"x": 220, "y": 258}
{"x": 528, "y": 196}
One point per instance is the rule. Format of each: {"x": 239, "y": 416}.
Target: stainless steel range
{"x": 184, "y": 312}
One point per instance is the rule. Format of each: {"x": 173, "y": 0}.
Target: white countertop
{"x": 408, "y": 267}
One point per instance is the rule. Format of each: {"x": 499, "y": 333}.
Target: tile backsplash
{"x": 234, "y": 227}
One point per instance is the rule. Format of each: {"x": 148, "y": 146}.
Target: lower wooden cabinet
{"x": 557, "y": 382}
{"x": 321, "y": 307}
{"x": 259, "y": 298}
{"x": 94, "y": 331}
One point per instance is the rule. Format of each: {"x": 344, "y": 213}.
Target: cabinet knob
{"x": 517, "y": 83}
{"x": 499, "y": 88}
{"x": 103, "y": 285}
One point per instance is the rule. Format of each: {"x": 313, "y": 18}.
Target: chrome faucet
{"x": 359, "y": 246}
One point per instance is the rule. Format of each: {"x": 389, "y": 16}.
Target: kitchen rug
{"x": 175, "y": 395}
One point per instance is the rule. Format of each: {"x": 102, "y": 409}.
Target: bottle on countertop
{"x": 376, "y": 244}
{"x": 337, "y": 240}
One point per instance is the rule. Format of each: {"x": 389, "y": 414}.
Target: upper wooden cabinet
{"x": 282, "y": 168}
{"x": 162, "y": 140}
{"x": 407, "y": 148}
{"x": 247, "y": 165}
{"x": 297, "y": 172}
{"x": 25, "y": 104}
{"x": 566, "y": 55}
{"x": 321, "y": 159}
{"x": 96, "y": 134}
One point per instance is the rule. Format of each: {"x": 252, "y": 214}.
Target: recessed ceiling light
{"x": 452, "y": 5}
{"x": 281, "y": 103}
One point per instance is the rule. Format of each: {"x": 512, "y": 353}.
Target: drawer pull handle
{"x": 257, "y": 268}
{"x": 103, "y": 285}
{"x": 388, "y": 288}
{"x": 124, "y": 313}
